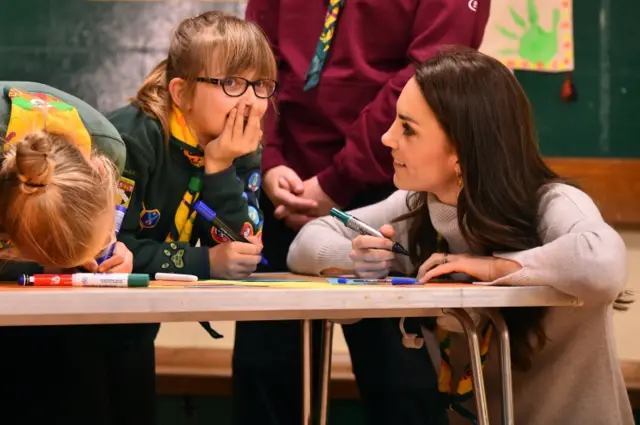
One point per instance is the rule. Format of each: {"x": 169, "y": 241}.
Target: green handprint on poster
{"x": 531, "y": 34}
{"x": 536, "y": 44}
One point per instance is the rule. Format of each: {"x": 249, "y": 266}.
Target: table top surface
{"x": 172, "y": 302}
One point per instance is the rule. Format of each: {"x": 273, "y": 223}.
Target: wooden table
{"x": 21, "y": 306}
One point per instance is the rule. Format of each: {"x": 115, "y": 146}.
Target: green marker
{"x": 363, "y": 228}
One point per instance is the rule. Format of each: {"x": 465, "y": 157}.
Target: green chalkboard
{"x": 605, "y": 119}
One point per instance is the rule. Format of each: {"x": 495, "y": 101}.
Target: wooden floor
{"x": 207, "y": 372}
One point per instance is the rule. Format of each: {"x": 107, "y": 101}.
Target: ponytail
{"x": 153, "y": 97}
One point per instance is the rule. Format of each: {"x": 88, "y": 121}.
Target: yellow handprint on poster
{"x": 534, "y": 35}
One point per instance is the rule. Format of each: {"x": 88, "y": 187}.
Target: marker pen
{"x": 210, "y": 215}
{"x": 391, "y": 280}
{"x": 117, "y": 280}
{"x": 363, "y": 228}
{"x": 120, "y": 212}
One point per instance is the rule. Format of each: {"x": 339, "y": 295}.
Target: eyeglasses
{"x": 236, "y": 86}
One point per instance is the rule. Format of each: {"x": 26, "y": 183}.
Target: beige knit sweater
{"x": 576, "y": 379}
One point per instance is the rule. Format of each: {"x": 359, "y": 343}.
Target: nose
{"x": 249, "y": 97}
{"x": 388, "y": 139}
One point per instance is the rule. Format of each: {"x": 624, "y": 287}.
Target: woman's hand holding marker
{"x": 371, "y": 255}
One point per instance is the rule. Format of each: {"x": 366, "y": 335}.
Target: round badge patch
{"x": 247, "y": 230}
{"x": 253, "y": 215}
{"x": 218, "y": 237}
{"x": 254, "y": 181}
{"x": 149, "y": 218}
{"x": 245, "y": 196}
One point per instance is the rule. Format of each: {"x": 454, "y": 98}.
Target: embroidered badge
{"x": 149, "y": 218}
{"x": 254, "y": 181}
{"x": 177, "y": 259}
{"x": 218, "y": 237}
{"x": 254, "y": 216}
{"x": 125, "y": 191}
{"x": 245, "y": 196}
{"x": 247, "y": 230}
{"x": 195, "y": 160}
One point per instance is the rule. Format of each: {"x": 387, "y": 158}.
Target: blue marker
{"x": 210, "y": 215}
{"x": 120, "y": 213}
{"x": 391, "y": 280}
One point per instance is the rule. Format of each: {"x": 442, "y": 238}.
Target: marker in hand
{"x": 363, "y": 228}
{"x": 210, "y": 215}
{"x": 120, "y": 213}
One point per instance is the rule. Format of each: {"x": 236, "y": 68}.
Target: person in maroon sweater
{"x": 323, "y": 149}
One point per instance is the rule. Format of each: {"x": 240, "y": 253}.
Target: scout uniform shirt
{"x": 160, "y": 226}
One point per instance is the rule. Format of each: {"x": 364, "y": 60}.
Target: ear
{"x": 176, "y": 90}
{"x": 454, "y": 163}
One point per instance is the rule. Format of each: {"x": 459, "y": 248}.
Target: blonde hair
{"x": 238, "y": 45}
{"x": 50, "y": 197}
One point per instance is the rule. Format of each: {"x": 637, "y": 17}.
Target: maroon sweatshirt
{"x": 334, "y": 130}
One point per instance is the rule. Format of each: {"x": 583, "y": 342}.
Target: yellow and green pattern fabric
{"x": 312, "y": 76}
{"x": 42, "y": 111}
{"x": 185, "y": 215}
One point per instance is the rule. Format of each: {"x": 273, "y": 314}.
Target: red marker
{"x": 121, "y": 280}
{"x": 46, "y": 280}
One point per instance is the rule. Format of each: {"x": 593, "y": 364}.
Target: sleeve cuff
{"x": 338, "y": 186}
{"x": 272, "y": 158}
{"x": 217, "y": 186}
{"x": 197, "y": 262}
{"x": 519, "y": 277}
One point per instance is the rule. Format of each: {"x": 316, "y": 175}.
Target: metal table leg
{"x": 476, "y": 364}
{"x": 505, "y": 366}
{"x": 327, "y": 349}
{"x": 306, "y": 372}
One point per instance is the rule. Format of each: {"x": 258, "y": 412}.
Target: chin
{"x": 399, "y": 182}
{"x": 405, "y": 183}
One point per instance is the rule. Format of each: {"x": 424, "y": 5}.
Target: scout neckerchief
{"x": 312, "y": 77}
{"x": 41, "y": 111}
{"x": 464, "y": 390}
{"x": 182, "y": 226}
{"x": 182, "y": 137}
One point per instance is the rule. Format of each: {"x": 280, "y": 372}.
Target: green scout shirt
{"x": 162, "y": 173}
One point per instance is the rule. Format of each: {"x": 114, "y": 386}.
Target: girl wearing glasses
{"x": 193, "y": 134}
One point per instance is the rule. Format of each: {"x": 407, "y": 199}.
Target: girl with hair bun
{"x": 59, "y": 176}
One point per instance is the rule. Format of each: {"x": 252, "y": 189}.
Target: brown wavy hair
{"x": 238, "y": 45}
{"x": 487, "y": 117}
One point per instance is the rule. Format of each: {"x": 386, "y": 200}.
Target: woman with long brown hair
{"x": 477, "y": 198}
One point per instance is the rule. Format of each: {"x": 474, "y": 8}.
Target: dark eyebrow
{"x": 407, "y": 118}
